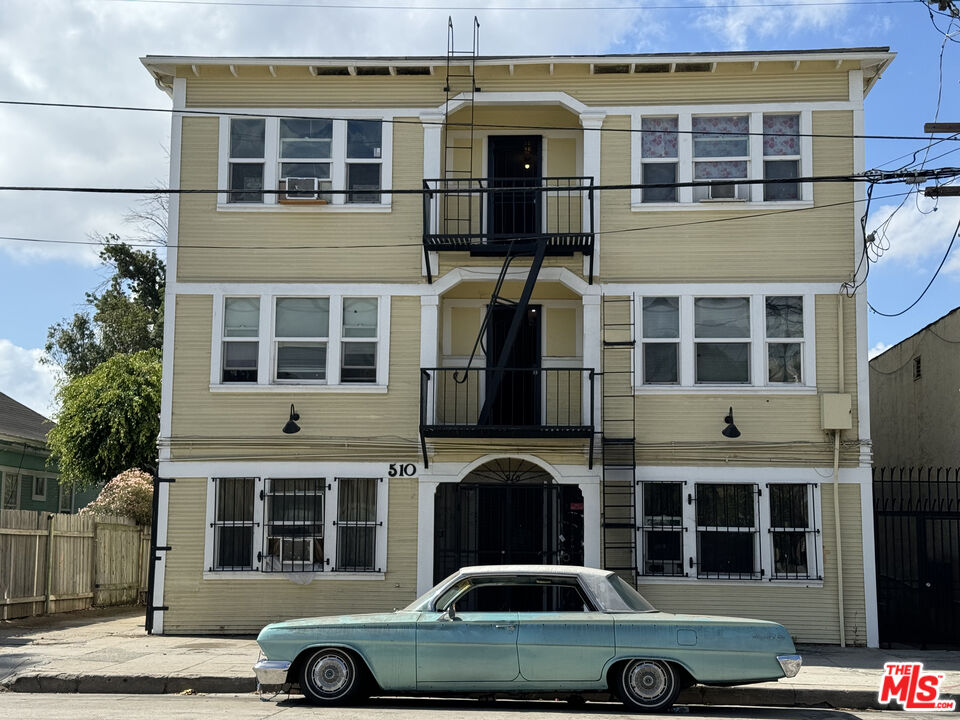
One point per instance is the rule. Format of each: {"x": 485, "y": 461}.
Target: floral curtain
{"x": 659, "y": 137}
{"x": 733, "y": 169}
{"x": 721, "y": 135}
{"x": 781, "y": 134}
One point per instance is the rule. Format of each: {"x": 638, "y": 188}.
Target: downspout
{"x": 836, "y": 476}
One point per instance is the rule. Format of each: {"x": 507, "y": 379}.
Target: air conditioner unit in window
{"x": 300, "y": 189}
{"x": 296, "y": 550}
{"x": 733, "y": 192}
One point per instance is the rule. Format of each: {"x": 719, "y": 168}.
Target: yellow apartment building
{"x": 425, "y": 313}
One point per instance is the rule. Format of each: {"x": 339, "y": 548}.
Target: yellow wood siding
{"x": 735, "y": 244}
{"x": 296, "y": 87}
{"x": 246, "y": 605}
{"x": 224, "y": 425}
{"x": 809, "y": 613}
{"x": 260, "y": 246}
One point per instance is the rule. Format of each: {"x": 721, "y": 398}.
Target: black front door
{"x": 517, "y": 400}
{"x": 514, "y": 162}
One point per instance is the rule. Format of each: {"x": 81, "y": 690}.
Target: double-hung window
{"x": 240, "y": 348}
{"x": 781, "y": 156}
{"x": 246, "y": 160}
{"x": 658, "y": 148}
{"x": 722, "y": 338}
{"x": 65, "y": 504}
{"x": 296, "y": 525}
{"x": 721, "y": 152}
{"x": 11, "y": 490}
{"x": 794, "y": 531}
{"x": 39, "y": 488}
{"x": 661, "y": 528}
{"x": 359, "y": 341}
{"x": 728, "y": 530}
{"x": 661, "y": 340}
{"x": 304, "y": 160}
{"x": 784, "y": 330}
{"x": 301, "y": 332}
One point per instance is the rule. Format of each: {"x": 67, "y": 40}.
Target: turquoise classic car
{"x": 523, "y": 629}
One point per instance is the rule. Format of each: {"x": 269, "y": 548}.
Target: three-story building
{"x": 588, "y": 310}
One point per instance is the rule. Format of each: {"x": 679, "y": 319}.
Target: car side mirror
{"x": 450, "y": 613}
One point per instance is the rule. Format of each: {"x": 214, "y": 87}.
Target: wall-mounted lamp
{"x": 730, "y": 430}
{"x": 291, "y": 427}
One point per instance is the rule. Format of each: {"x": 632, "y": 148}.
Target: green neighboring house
{"x": 26, "y": 482}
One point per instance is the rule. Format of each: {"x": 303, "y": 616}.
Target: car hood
{"x": 341, "y": 620}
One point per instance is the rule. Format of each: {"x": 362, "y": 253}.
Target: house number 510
{"x": 402, "y": 470}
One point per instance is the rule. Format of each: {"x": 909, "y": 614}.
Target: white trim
{"x": 519, "y": 98}
{"x": 294, "y": 387}
{"x": 218, "y": 575}
{"x": 277, "y": 468}
{"x": 40, "y": 497}
{"x": 742, "y": 473}
{"x": 592, "y": 166}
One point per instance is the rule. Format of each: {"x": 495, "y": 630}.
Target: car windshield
{"x": 423, "y": 602}
{"x": 617, "y": 595}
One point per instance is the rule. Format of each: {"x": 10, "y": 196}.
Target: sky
{"x": 87, "y": 51}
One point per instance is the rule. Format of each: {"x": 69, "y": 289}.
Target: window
{"x": 233, "y": 524}
{"x": 917, "y": 368}
{"x": 246, "y": 160}
{"x": 301, "y": 332}
{"x": 306, "y": 159}
{"x": 793, "y": 531}
{"x": 66, "y": 499}
{"x": 11, "y": 490}
{"x": 727, "y": 530}
{"x": 721, "y": 151}
{"x": 725, "y": 322}
{"x": 659, "y": 152}
{"x": 784, "y": 323}
{"x": 323, "y": 342}
{"x": 534, "y": 594}
{"x": 293, "y": 525}
{"x": 296, "y": 525}
{"x": 781, "y": 156}
{"x": 359, "y": 340}
{"x": 241, "y": 328}
{"x": 661, "y": 528}
{"x": 39, "y": 485}
{"x": 661, "y": 340}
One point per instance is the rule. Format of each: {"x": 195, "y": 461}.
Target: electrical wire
{"x": 455, "y": 125}
{"x": 937, "y": 272}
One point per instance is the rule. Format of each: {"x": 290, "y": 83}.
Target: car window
{"x": 530, "y": 596}
{"x": 616, "y": 595}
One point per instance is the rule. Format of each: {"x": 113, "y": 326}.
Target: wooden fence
{"x": 52, "y": 563}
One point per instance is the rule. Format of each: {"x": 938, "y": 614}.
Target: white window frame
{"x": 344, "y": 340}
{"x": 41, "y": 482}
{"x": 675, "y": 161}
{"x": 338, "y": 161}
{"x": 224, "y": 338}
{"x": 797, "y": 157}
{"x": 749, "y": 340}
{"x": 10, "y": 476}
{"x": 331, "y": 474}
{"x": 801, "y": 341}
{"x": 644, "y": 341}
{"x": 277, "y": 339}
{"x": 261, "y": 161}
{"x": 758, "y": 361}
{"x": 763, "y": 549}
{"x": 755, "y": 168}
{"x": 266, "y": 380}
{"x": 64, "y": 493}
{"x": 747, "y": 159}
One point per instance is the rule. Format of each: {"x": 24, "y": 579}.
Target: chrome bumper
{"x": 271, "y": 672}
{"x": 790, "y": 664}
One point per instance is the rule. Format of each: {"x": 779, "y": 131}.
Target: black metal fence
{"x": 479, "y": 214}
{"x": 530, "y": 402}
{"x": 917, "y": 529}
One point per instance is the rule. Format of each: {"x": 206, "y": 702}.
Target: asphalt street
{"x": 246, "y": 707}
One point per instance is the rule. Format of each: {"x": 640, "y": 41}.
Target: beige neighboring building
{"x": 915, "y": 398}
{"x": 417, "y": 328}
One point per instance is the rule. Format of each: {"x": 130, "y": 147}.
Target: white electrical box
{"x": 836, "y": 411}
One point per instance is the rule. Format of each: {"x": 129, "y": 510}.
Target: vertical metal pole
{"x": 48, "y": 589}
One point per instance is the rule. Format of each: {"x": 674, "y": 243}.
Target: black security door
{"x": 517, "y": 401}
{"x": 514, "y": 162}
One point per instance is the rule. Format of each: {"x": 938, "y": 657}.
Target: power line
{"x": 937, "y": 272}
{"x": 420, "y": 244}
{"x": 456, "y": 125}
{"x": 358, "y": 6}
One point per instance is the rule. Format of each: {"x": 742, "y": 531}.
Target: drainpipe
{"x": 836, "y": 476}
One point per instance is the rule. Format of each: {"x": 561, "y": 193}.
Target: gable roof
{"x": 19, "y": 421}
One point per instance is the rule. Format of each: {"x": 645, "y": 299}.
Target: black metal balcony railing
{"x": 482, "y": 215}
{"x": 529, "y": 403}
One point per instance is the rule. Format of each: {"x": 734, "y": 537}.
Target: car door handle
{"x": 505, "y": 627}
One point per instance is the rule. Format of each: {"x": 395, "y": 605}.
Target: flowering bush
{"x": 129, "y": 494}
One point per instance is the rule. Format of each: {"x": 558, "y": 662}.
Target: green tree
{"x": 126, "y": 317}
{"x": 108, "y": 420}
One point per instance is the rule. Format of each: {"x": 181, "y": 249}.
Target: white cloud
{"x": 917, "y": 234}
{"x": 25, "y": 379}
{"x": 877, "y": 349}
{"x": 741, "y": 26}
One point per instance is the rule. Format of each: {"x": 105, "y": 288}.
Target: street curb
{"x": 698, "y": 695}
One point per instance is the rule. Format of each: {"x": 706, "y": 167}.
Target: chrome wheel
{"x": 648, "y": 685}
{"x": 329, "y": 676}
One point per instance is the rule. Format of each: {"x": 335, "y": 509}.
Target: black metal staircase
{"x": 618, "y": 438}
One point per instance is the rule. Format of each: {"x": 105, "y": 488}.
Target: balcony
{"x": 528, "y": 403}
{"x": 483, "y": 215}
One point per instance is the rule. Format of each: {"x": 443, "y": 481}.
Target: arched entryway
{"x": 507, "y": 510}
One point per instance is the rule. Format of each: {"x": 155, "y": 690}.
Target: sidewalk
{"x": 107, "y": 651}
